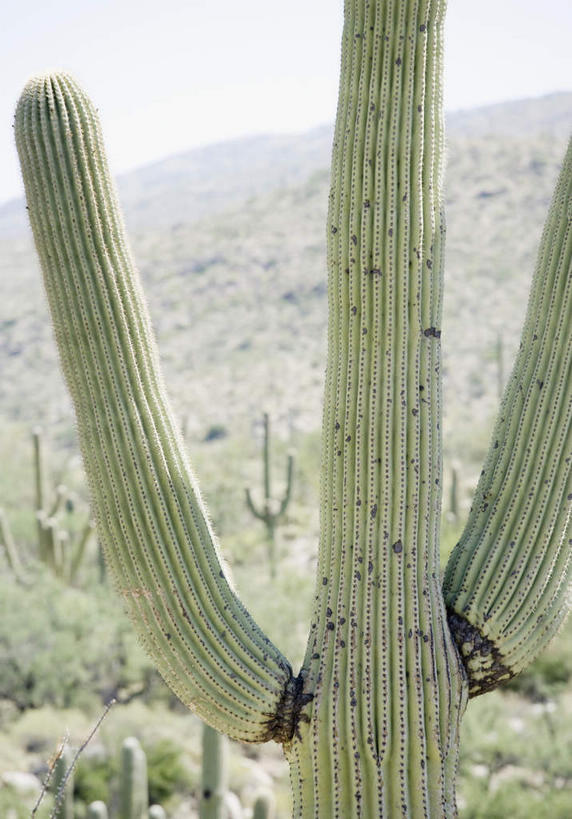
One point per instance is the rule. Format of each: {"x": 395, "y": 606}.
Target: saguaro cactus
{"x": 133, "y": 790}
{"x": 214, "y": 780}
{"x": 370, "y": 725}
{"x": 62, "y": 785}
{"x": 61, "y": 549}
{"x": 272, "y": 509}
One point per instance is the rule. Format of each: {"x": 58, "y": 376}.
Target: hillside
{"x": 196, "y": 184}
{"x": 238, "y": 297}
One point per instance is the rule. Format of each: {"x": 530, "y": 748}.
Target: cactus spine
{"x": 371, "y": 724}
{"x": 133, "y": 792}
{"x": 214, "y": 774}
{"x": 272, "y": 510}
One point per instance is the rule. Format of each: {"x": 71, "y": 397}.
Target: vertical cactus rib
{"x": 507, "y": 583}
{"x": 150, "y": 517}
{"x": 388, "y": 687}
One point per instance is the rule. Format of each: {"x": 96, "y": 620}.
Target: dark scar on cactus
{"x": 284, "y": 724}
{"x": 478, "y": 652}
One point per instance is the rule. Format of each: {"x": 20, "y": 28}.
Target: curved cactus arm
{"x": 261, "y": 514}
{"x": 507, "y": 584}
{"x": 150, "y": 518}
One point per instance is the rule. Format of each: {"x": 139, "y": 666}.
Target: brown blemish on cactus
{"x": 481, "y": 659}
{"x": 283, "y": 726}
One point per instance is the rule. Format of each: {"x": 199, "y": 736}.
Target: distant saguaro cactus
{"x": 370, "y": 725}
{"x": 263, "y": 806}
{"x": 214, "y": 779}
{"x": 133, "y": 789}
{"x": 58, "y": 547}
{"x": 271, "y": 509}
{"x": 62, "y": 785}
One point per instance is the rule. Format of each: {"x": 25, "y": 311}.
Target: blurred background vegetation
{"x": 231, "y": 246}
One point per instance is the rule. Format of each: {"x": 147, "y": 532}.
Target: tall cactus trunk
{"x": 370, "y": 725}
{"x": 388, "y": 688}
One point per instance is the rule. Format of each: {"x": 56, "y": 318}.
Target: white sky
{"x": 170, "y": 75}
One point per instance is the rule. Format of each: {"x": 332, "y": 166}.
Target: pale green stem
{"x": 387, "y": 683}
{"x": 509, "y": 577}
{"x": 150, "y": 517}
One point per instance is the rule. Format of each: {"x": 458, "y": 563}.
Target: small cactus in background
{"x": 271, "y": 509}
{"x": 157, "y": 812}
{"x": 58, "y": 547}
{"x": 10, "y": 549}
{"x": 63, "y": 794}
{"x": 263, "y": 806}
{"x": 371, "y": 723}
{"x": 214, "y": 778}
{"x": 97, "y": 810}
{"x": 133, "y": 788}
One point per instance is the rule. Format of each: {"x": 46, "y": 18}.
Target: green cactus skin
{"x": 97, "y": 810}
{"x": 371, "y": 724}
{"x": 272, "y": 510}
{"x": 388, "y": 687}
{"x": 61, "y": 768}
{"x": 150, "y": 517}
{"x": 507, "y": 584}
{"x": 133, "y": 791}
{"x": 214, "y": 780}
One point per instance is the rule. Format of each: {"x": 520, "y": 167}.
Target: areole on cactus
{"x": 370, "y": 724}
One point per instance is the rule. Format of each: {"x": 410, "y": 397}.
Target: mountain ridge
{"x": 202, "y": 181}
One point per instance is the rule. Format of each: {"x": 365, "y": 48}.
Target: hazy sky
{"x": 173, "y": 74}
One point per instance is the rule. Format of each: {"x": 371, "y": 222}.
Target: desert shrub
{"x": 165, "y": 770}
{"x": 65, "y": 647}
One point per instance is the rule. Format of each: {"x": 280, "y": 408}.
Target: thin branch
{"x": 51, "y": 768}
{"x": 82, "y": 747}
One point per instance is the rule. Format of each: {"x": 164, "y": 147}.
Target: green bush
{"x": 64, "y": 647}
{"x": 165, "y": 771}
